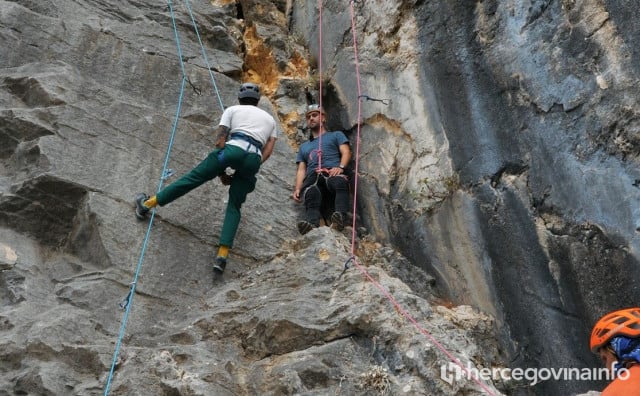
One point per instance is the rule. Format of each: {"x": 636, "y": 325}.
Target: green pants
{"x": 246, "y": 166}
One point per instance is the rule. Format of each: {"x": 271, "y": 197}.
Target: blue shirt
{"x": 331, "y": 142}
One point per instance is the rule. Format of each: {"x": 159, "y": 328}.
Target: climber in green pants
{"x": 245, "y": 139}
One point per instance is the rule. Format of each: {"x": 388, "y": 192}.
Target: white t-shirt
{"x": 250, "y": 120}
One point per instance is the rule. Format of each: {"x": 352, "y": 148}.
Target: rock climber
{"x": 616, "y": 339}
{"x": 322, "y": 177}
{"x": 245, "y": 138}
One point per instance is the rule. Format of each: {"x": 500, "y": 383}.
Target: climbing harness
{"x": 126, "y": 304}
{"x": 251, "y": 142}
{"x": 321, "y": 173}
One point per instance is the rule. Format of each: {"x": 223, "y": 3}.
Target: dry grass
{"x": 376, "y": 379}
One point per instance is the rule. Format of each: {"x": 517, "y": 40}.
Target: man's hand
{"x": 220, "y": 142}
{"x": 226, "y": 179}
{"x": 300, "y": 174}
{"x": 335, "y": 171}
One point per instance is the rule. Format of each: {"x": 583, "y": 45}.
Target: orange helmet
{"x": 625, "y": 322}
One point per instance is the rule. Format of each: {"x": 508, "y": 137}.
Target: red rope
{"x": 321, "y": 130}
{"x": 421, "y": 329}
{"x": 355, "y": 179}
{"x": 366, "y": 274}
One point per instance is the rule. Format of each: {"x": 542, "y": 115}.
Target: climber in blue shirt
{"x": 322, "y": 177}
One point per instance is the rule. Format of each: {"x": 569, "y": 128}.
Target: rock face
{"x": 499, "y": 158}
{"x": 295, "y": 324}
{"x": 506, "y": 159}
{"x": 90, "y": 95}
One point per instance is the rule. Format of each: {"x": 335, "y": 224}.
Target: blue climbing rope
{"x": 127, "y": 303}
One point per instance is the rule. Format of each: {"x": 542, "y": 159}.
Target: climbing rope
{"x": 353, "y": 257}
{"x": 357, "y": 162}
{"x": 319, "y": 169}
{"x": 126, "y": 304}
{"x": 204, "y": 55}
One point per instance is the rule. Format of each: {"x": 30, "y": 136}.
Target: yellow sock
{"x": 223, "y": 251}
{"x": 151, "y": 202}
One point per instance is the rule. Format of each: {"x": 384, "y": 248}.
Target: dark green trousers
{"x": 246, "y": 166}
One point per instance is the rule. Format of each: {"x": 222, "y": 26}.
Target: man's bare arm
{"x": 221, "y": 134}
{"x": 300, "y": 174}
{"x": 268, "y": 149}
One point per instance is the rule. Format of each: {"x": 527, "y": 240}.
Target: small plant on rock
{"x": 376, "y": 379}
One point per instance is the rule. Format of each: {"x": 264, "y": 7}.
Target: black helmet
{"x": 249, "y": 90}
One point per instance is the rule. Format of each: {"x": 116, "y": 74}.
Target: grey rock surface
{"x": 506, "y": 158}
{"x": 90, "y": 95}
{"x": 499, "y": 173}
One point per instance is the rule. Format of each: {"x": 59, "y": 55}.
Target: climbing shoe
{"x": 337, "y": 221}
{"x": 304, "y": 227}
{"x": 219, "y": 265}
{"x": 141, "y": 210}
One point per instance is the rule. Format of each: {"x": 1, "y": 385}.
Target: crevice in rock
{"x": 81, "y": 359}
{"x": 337, "y": 117}
{"x": 85, "y": 240}
{"x": 279, "y": 337}
{"x": 28, "y": 158}
{"x": 43, "y": 7}
{"x": 5, "y": 324}
{"x": 19, "y": 128}
{"x": 43, "y": 207}
{"x": 11, "y": 356}
{"x": 11, "y": 288}
{"x": 239, "y": 10}
{"x": 535, "y": 11}
{"x": 590, "y": 260}
{"x": 30, "y": 91}
{"x": 620, "y": 137}
{"x": 314, "y": 344}
{"x": 30, "y": 383}
{"x": 510, "y": 168}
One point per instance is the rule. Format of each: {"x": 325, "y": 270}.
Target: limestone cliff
{"x": 498, "y": 173}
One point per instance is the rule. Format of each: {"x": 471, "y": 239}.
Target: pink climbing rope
{"x": 361, "y": 268}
